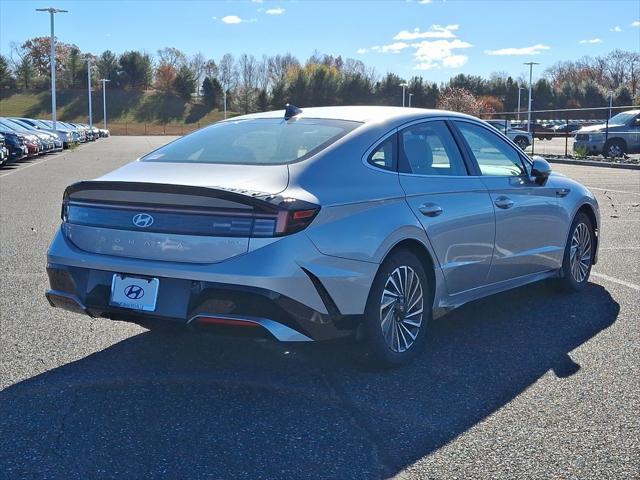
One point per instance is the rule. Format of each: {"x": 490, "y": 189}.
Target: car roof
{"x": 364, "y": 114}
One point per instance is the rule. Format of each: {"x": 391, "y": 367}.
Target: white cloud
{"x": 396, "y": 47}
{"x": 591, "y": 41}
{"x": 439, "y": 53}
{"x": 361, "y": 51}
{"x": 532, "y": 50}
{"x": 275, "y": 11}
{"x": 615, "y": 29}
{"x": 435, "y": 31}
{"x": 424, "y": 2}
{"x": 234, "y": 20}
{"x": 257, "y": 1}
{"x": 231, "y": 19}
{"x": 635, "y": 24}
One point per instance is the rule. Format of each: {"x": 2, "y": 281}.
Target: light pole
{"x": 89, "y": 90}
{"x": 531, "y": 64}
{"x": 224, "y": 97}
{"x": 52, "y": 61}
{"x": 404, "y": 87}
{"x": 410, "y": 95}
{"x": 104, "y": 101}
{"x": 519, "y": 90}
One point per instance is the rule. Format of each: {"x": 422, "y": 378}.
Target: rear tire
{"x": 578, "y": 255}
{"x": 398, "y": 311}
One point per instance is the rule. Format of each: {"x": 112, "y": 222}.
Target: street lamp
{"x": 104, "y": 101}
{"x": 89, "y": 90}
{"x": 531, "y": 64}
{"x": 519, "y": 90}
{"x": 52, "y": 60}
{"x": 410, "y": 95}
{"x": 404, "y": 87}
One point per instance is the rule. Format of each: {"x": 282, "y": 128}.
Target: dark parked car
{"x": 15, "y": 144}
{"x": 4, "y": 153}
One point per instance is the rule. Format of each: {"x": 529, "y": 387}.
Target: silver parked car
{"x": 617, "y": 138}
{"x": 321, "y": 223}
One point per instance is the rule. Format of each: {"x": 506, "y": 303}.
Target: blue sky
{"x": 436, "y": 39}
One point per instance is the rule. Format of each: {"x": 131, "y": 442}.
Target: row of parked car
{"x": 27, "y": 137}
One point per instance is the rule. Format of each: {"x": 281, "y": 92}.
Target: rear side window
{"x": 429, "y": 149}
{"x": 265, "y": 141}
{"x": 385, "y": 155}
{"x": 495, "y": 157}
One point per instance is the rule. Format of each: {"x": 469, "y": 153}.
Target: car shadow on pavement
{"x": 161, "y": 405}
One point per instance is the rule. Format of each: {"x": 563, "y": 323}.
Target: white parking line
{"x": 614, "y": 191}
{"x": 616, "y": 280}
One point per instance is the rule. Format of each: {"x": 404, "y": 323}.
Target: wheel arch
{"x": 422, "y": 252}
{"x": 588, "y": 210}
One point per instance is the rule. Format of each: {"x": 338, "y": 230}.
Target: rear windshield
{"x": 264, "y": 141}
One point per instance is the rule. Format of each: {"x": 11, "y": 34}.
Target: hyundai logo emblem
{"x": 134, "y": 292}
{"x": 143, "y": 220}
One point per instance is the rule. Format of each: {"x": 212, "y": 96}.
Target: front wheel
{"x": 398, "y": 310}
{"x": 522, "y": 142}
{"x": 615, "y": 148}
{"x": 578, "y": 255}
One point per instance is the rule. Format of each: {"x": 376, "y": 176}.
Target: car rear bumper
{"x": 286, "y": 281}
{"x": 199, "y": 305}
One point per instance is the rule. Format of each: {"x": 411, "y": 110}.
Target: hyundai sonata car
{"x": 318, "y": 223}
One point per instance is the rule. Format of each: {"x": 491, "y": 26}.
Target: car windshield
{"x": 14, "y": 126}
{"x": 622, "y": 118}
{"x": 272, "y": 141}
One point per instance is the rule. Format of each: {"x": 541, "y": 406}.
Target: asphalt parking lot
{"x": 526, "y": 384}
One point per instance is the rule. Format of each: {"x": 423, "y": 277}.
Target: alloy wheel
{"x": 580, "y": 252}
{"x": 615, "y": 150}
{"x": 401, "y": 309}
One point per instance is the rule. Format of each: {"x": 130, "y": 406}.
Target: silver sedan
{"x": 309, "y": 224}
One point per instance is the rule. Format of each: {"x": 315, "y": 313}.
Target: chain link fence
{"x": 573, "y": 132}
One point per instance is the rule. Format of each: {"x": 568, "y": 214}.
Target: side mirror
{"x": 540, "y": 170}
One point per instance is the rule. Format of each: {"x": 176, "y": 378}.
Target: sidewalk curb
{"x": 592, "y": 163}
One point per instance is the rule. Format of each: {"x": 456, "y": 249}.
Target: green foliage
{"x": 211, "y": 92}
{"x": 184, "y": 83}
{"x": 581, "y": 151}
{"x": 136, "y": 70}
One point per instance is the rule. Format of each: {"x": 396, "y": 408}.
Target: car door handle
{"x": 430, "y": 209}
{"x": 503, "y": 202}
{"x": 563, "y": 192}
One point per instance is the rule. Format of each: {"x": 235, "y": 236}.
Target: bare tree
{"x": 248, "y": 70}
{"x": 211, "y": 69}
{"x": 197, "y": 66}
{"x": 171, "y": 56}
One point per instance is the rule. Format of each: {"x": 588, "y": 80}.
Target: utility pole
{"x": 410, "y": 95}
{"x": 519, "y": 90}
{"x": 404, "y": 87}
{"x": 52, "y": 61}
{"x": 89, "y": 90}
{"x": 531, "y": 64}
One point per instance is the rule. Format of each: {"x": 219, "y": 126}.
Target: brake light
{"x": 292, "y": 221}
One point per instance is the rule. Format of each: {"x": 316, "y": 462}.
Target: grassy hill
{"x": 128, "y": 112}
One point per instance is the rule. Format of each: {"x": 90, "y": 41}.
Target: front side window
{"x": 263, "y": 141}
{"x": 495, "y": 157}
{"x": 429, "y": 149}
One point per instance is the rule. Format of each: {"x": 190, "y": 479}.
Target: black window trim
{"x": 467, "y": 148}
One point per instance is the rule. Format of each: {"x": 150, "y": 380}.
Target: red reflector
{"x": 226, "y": 321}
{"x": 300, "y": 214}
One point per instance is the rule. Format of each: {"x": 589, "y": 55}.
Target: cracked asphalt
{"x": 526, "y": 384}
